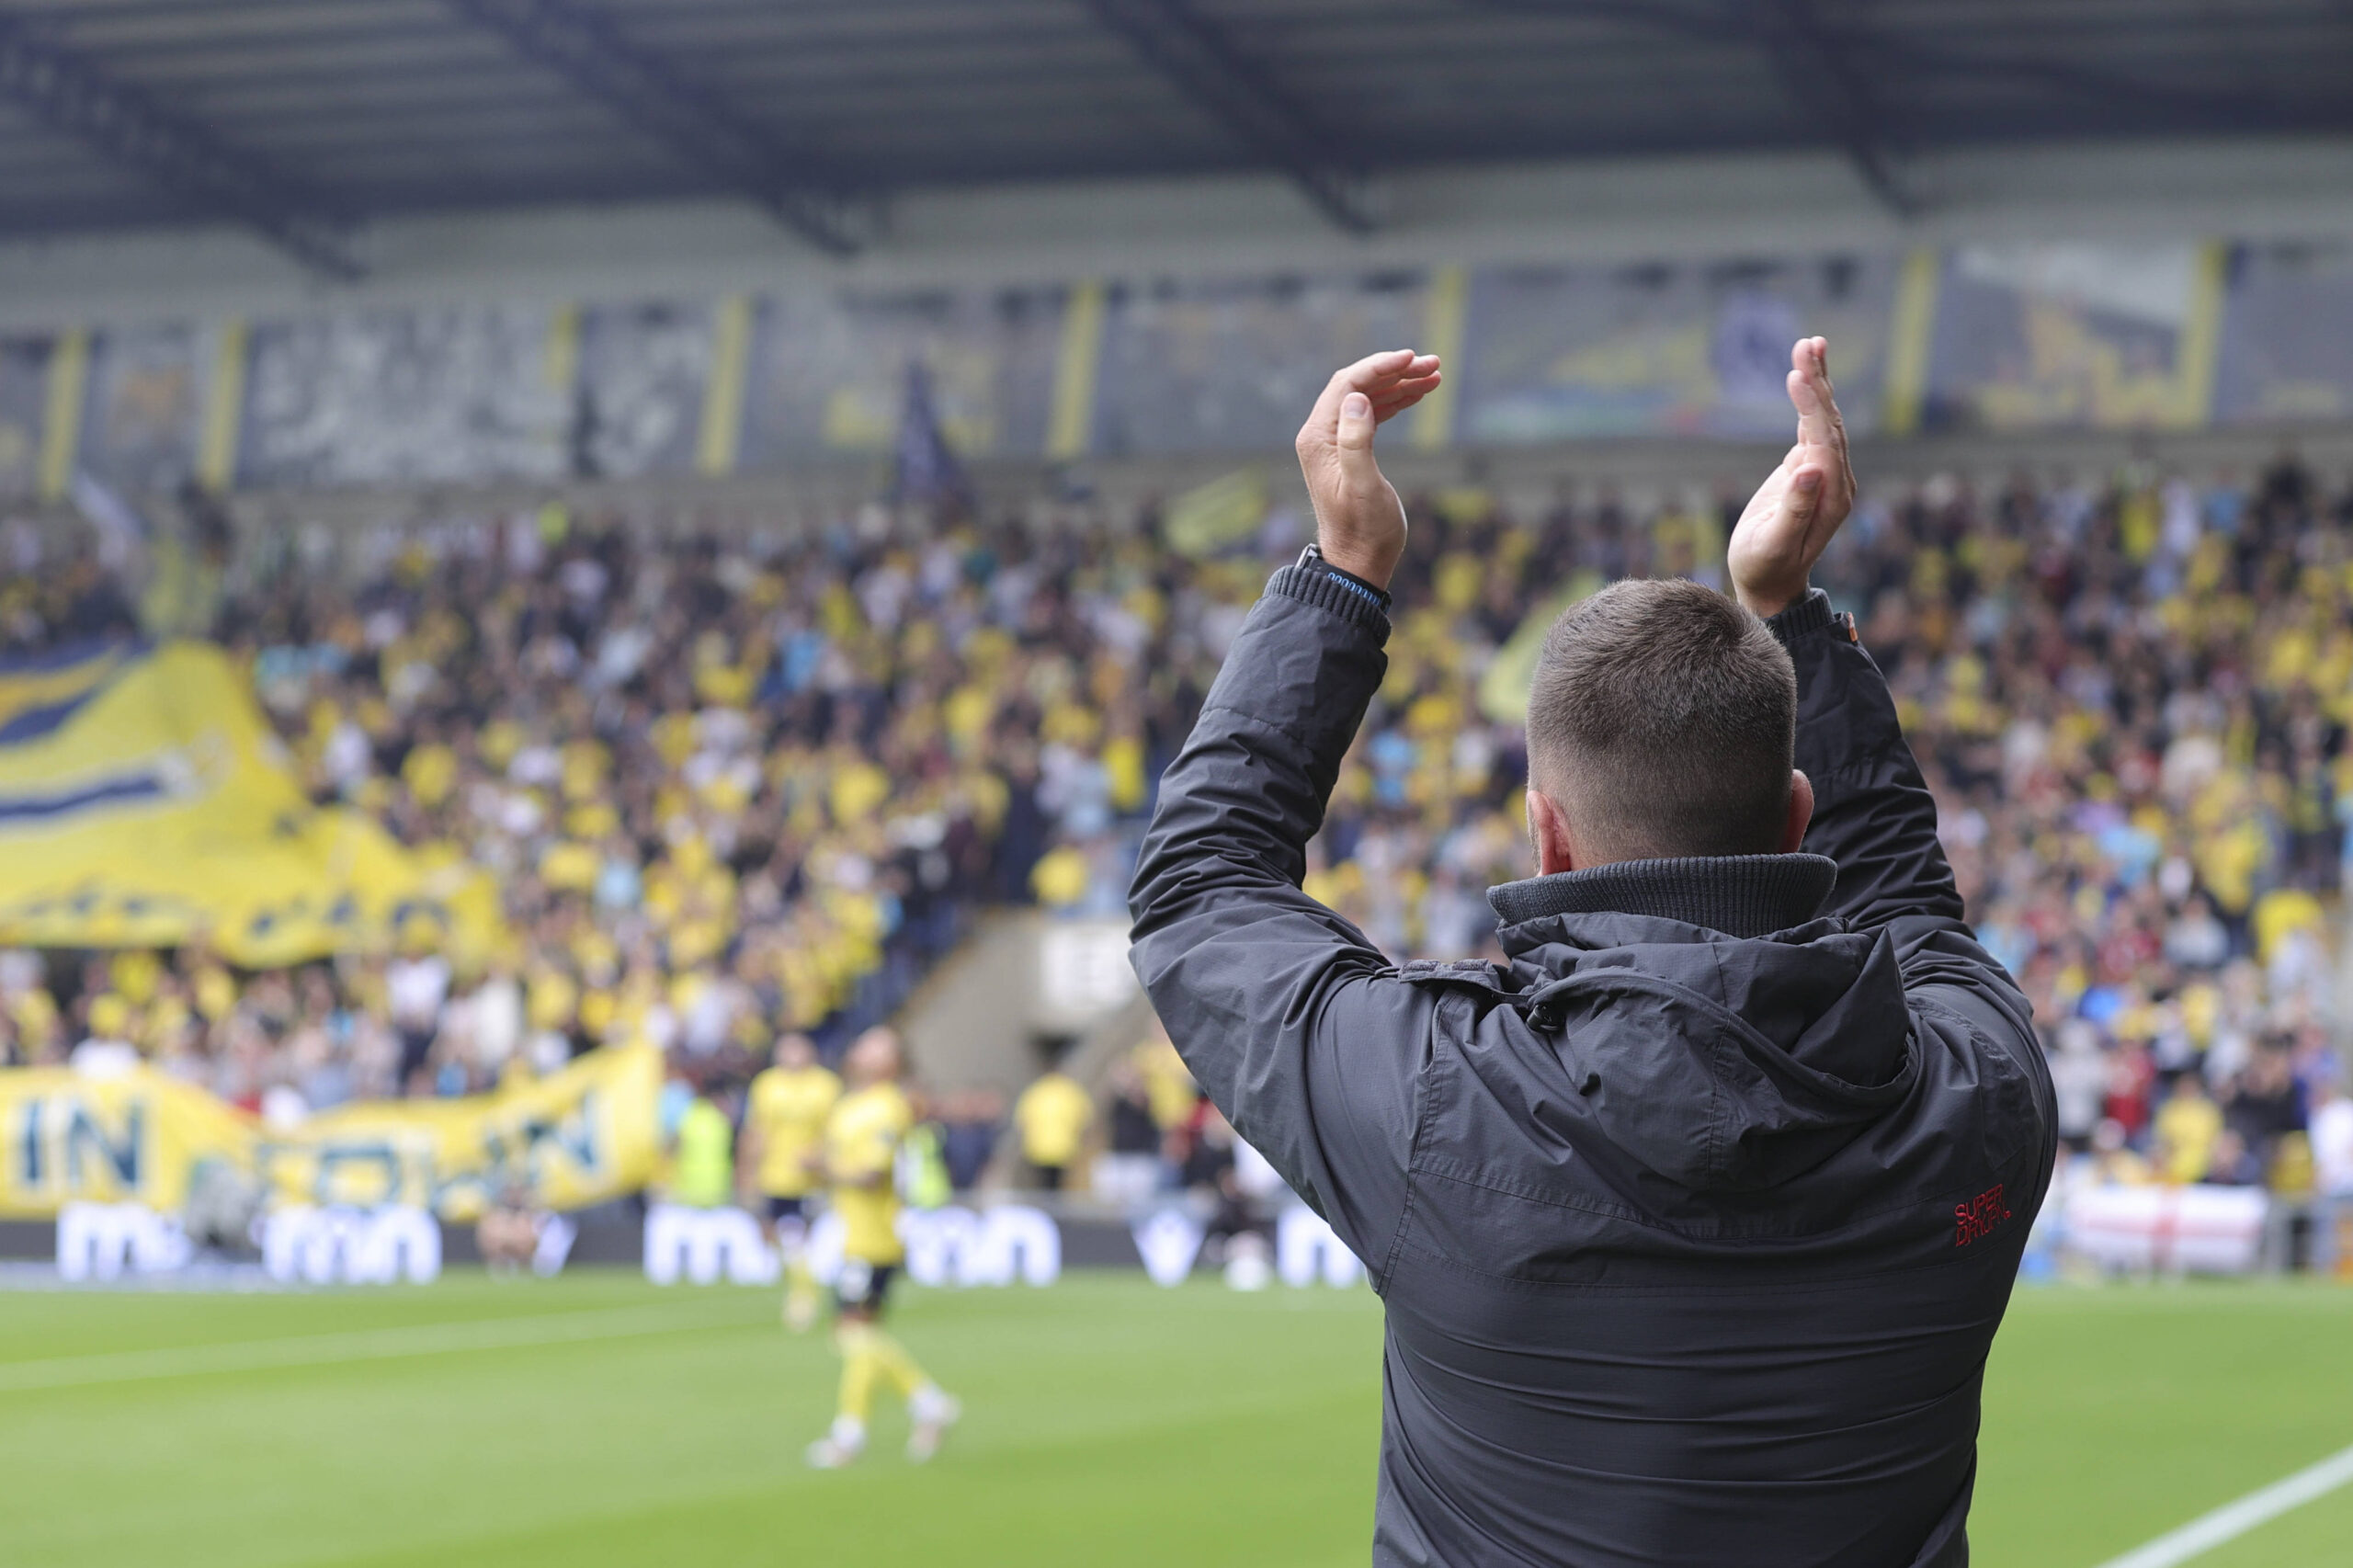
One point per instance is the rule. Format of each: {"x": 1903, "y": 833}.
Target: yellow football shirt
{"x": 2186, "y": 1131}
{"x": 789, "y": 1105}
{"x": 862, "y": 1139}
{"x": 1052, "y": 1114}
{"x": 703, "y": 1172}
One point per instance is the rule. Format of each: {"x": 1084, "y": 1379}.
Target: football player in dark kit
{"x": 1695, "y": 1220}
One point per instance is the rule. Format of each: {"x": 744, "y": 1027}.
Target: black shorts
{"x": 416, "y": 1045}
{"x": 788, "y": 1208}
{"x": 862, "y": 1286}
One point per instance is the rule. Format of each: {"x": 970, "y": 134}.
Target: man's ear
{"x": 1801, "y": 811}
{"x": 1548, "y": 829}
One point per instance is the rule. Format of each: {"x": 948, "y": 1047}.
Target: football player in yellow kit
{"x": 784, "y": 1139}
{"x": 862, "y": 1139}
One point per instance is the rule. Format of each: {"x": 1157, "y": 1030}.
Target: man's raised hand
{"x": 1359, "y": 522}
{"x": 1792, "y": 517}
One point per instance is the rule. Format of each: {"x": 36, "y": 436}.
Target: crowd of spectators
{"x": 735, "y": 786}
{"x": 2132, "y": 702}
{"x": 727, "y": 789}
{"x": 2130, "y": 699}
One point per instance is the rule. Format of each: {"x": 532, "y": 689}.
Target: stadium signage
{"x": 953, "y": 1247}
{"x": 575, "y": 1138}
{"x": 351, "y": 1246}
{"x": 106, "y": 1241}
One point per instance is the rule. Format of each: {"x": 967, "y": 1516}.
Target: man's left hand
{"x": 1359, "y": 522}
{"x": 1791, "y": 519}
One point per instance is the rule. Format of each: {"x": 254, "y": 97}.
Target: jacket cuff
{"x": 1346, "y": 599}
{"x": 1805, "y": 618}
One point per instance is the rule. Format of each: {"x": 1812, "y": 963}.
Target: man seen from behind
{"x": 1694, "y": 1221}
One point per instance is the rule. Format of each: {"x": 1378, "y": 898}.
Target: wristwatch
{"x": 1312, "y": 558}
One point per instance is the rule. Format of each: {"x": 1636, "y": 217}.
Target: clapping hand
{"x": 1792, "y": 517}
{"x": 1359, "y": 522}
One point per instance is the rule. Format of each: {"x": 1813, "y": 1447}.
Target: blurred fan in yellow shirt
{"x": 1052, "y": 1116}
{"x": 2188, "y": 1126}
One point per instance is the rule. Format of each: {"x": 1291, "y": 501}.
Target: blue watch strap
{"x": 1312, "y": 559}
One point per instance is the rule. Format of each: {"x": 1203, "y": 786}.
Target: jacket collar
{"x": 1740, "y": 895}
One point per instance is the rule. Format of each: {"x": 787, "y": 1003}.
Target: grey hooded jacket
{"x": 1695, "y": 1221}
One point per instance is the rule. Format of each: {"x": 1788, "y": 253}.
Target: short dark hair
{"x": 1663, "y": 721}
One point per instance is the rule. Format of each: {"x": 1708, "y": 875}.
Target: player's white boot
{"x": 933, "y": 1412}
{"x": 840, "y": 1446}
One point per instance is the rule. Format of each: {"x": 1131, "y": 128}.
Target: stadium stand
{"x": 736, "y": 785}
{"x": 548, "y": 545}
{"x": 548, "y": 540}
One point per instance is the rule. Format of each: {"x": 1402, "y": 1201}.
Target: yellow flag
{"x": 1502, "y": 689}
{"x": 144, "y": 802}
{"x": 1217, "y": 516}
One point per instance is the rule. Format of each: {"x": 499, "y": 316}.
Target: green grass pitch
{"x": 597, "y": 1420}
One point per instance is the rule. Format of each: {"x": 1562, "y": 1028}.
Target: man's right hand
{"x": 1359, "y": 522}
{"x": 1794, "y": 514}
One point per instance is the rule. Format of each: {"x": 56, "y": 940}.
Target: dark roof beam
{"x": 68, "y": 93}
{"x": 1202, "y": 62}
{"x": 1860, "y": 56}
{"x": 584, "y": 48}
{"x": 2197, "y": 107}
{"x": 1819, "y": 71}
{"x": 1814, "y": 64}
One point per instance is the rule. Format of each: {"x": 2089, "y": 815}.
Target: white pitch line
{"x": 2234, "y": 1519}
{"x": 361, "y": 1345}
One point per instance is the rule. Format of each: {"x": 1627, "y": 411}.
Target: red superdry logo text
{"x": 1978, "y": 1216}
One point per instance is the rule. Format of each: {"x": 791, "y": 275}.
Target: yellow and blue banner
{"x": 146, "y": 802}
{"x": 1215, "y": 516}
{"x": 577, "y": 1137}
{"x": 1510, "y": 674}
{"x": 66, "y": 1138}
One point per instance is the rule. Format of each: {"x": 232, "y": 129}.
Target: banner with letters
{"x": 66, "y": 1137}
{"x": 580, "y": 1136}
{"x": 1579, "y": 352}
{"x": 2075, "y": 337}
{"x": 143, "y": 424}
{"x": 429, "y": 394}
{"x": 2287, "y": 351}
{"x": 577, "y": 1137}
{"x": 1233, "y": 364}
{"x": 828, "y": 371}
{"x": 1974, "y": 336}
{"x": 144, "y": 802}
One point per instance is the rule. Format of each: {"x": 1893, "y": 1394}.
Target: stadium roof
{"x": 301, "y": 118}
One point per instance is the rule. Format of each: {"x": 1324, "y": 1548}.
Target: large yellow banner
{"x": 1504, "y": 688}
{"x": 144, "y": 802}
{"x": 577, "y": 1137}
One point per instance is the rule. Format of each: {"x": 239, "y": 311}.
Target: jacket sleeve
{"x": 1873, "y": 815}
{"x": 1297, "y": 1027}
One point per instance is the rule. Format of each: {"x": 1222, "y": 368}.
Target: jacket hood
{"x": 1723, "y": 1062}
